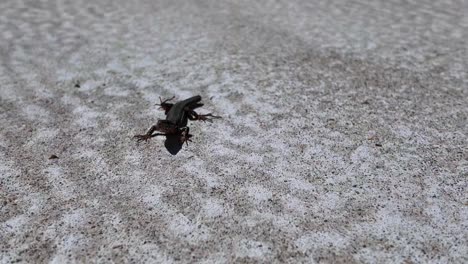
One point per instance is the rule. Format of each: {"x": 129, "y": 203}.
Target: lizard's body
{"x": 179, "y": 112}
{"x": 177, "y": 116}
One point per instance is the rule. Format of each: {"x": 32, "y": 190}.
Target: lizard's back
{"x": 177, "y": 113}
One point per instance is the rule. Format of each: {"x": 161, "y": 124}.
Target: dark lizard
{"x": 177, "y": 116}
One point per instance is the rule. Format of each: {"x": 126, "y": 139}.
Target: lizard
{"x": 177, "y": 116}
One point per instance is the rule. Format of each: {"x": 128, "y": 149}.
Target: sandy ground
{"x": 343, "y": 138}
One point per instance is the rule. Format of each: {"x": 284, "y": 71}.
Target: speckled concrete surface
{"x": 344, "y": 137}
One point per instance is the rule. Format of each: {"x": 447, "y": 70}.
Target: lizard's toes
{"x": 140, "y": 138}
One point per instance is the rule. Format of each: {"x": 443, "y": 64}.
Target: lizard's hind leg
{"x": 185, "y": 136}
{"x": 148, "y": 135}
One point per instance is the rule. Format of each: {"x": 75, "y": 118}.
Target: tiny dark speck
{"x": 378, "y": 145}
{"x": 53, "y": 157}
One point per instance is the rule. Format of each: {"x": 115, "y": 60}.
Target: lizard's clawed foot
{"x": 163, "y": 104}
{"x": 140, "y": 138}
{"x": 207, "y": 117}
{"x": 165, "y": 100}
{"x": 185, "y": 138}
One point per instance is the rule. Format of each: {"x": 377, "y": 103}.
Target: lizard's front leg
{"x": 163, "y": 104}
{"x": 192, "y": 115}
{"x": 149, "y": 134}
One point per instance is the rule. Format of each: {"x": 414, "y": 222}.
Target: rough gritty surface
{"x": 344, "y": 136}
